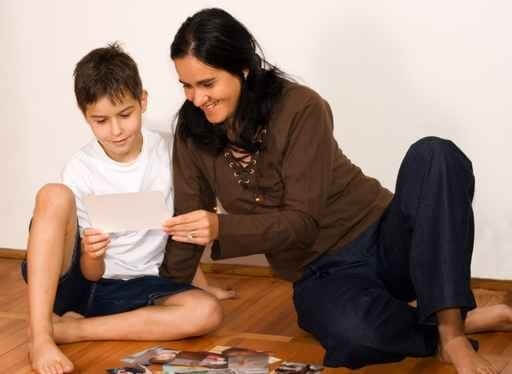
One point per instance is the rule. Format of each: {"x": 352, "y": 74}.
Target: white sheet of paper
{"x": 127, "y": 211}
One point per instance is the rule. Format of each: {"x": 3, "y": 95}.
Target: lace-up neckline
{"x": 244, "y": 163}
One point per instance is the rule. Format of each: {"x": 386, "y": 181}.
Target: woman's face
{"x": 214, "y": 91}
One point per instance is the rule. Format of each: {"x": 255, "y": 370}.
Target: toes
{"x": 232, "y": 294}
{"x": 53, "y": 368}
{"x": 46, "y": 369}
{"x": 58, "y": 368}
{"x": 67, "y": 367}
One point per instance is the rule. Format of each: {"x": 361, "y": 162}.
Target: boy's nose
{"x": 115, "y": 128}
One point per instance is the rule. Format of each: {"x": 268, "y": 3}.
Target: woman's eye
{"x": 125, "y": 115}
{"x": 101, "y": 121}
{"x": 208, "y": 85}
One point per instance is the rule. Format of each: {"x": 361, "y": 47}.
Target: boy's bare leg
{"x": 49, "y": 254}
{"x": 489, "y": 318}
{"x": 456, "y": 348}
{"x": 190, "y": 313}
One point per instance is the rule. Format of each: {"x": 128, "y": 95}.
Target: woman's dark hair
{"x": 217, "y": 39}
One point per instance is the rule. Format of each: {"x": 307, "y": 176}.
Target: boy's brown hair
{"x": 107, "y": 71}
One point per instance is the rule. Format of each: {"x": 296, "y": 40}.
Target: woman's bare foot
{"x": 459, "y": 352}
{"x": 46, "y": 358}
{"x": 221, "y": 293}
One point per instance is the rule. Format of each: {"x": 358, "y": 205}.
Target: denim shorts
{"x": 107, "y": 296}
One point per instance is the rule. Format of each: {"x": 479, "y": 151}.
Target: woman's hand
{"x": 94, "y": 243}
{"x": 198, "y": 227}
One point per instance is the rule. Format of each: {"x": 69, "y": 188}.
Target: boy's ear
{"x": 144, "y": 100}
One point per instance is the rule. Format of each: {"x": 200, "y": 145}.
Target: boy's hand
{"x": 95, "y": 243}
{"x": 198, "y": 227}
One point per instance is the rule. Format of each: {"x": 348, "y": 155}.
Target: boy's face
{"x": 117, "y": 126}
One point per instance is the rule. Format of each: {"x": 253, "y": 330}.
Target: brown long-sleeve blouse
{"x": 297, "y": 199}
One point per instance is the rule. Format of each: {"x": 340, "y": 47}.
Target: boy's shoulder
{"x": 92, "y": 149}
{"x": 154, "y": 138}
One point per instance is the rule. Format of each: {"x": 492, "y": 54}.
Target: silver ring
{"x": 191, "y": 235}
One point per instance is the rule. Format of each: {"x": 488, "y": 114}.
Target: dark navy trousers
{"x": 355, "y": 302}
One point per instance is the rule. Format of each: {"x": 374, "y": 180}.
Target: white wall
{"x": 393, "y": 71}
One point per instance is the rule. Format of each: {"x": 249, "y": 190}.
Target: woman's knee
{"x": 437, "y": 156}
{"x": 435, "y": 148}
{"x": 431, "y": 145}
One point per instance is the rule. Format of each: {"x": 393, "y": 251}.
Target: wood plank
{"x": 13, "y": 332}
{"x": 261, "y": 318}
{"x": 16, "y": 361}
{"x": 13, "y": 298}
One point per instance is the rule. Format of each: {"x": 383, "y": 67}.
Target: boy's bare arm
{"x": 94, "y": 245}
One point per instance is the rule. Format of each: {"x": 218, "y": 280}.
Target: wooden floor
{"x": 262, "y": 318}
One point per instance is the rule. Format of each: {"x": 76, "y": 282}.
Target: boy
{"x": 78, "y": 271}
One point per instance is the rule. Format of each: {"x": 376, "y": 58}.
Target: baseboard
{"x": 17, "y": 254}
{"x": 492, "y": 284}
{"x": 207, "y": 267}
{"x": 237, "y": 269}
{"x": 265, "y": 271}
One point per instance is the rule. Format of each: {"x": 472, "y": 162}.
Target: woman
{"x": 357, "y": 254}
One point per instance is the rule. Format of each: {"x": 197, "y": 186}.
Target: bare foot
{"x": 46, "y": 358}
{"x": 459, "y": 352}
{"x": 221, "y": 293}
{"x": 489, "y": 318}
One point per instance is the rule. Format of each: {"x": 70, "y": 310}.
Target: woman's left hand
{"x": 198, "y": 227}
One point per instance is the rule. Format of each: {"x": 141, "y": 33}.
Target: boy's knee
{"x": 202, "y": 310}
{"x": 55, "y": 195}
{"x": 209, "y": 314}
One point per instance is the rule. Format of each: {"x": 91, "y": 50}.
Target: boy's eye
{"x": 125, "y": 115}
{"x": 208, "y": 84}
{"x": 101, "y": 121}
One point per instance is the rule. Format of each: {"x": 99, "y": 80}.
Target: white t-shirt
{"x": 130, "y": 254}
